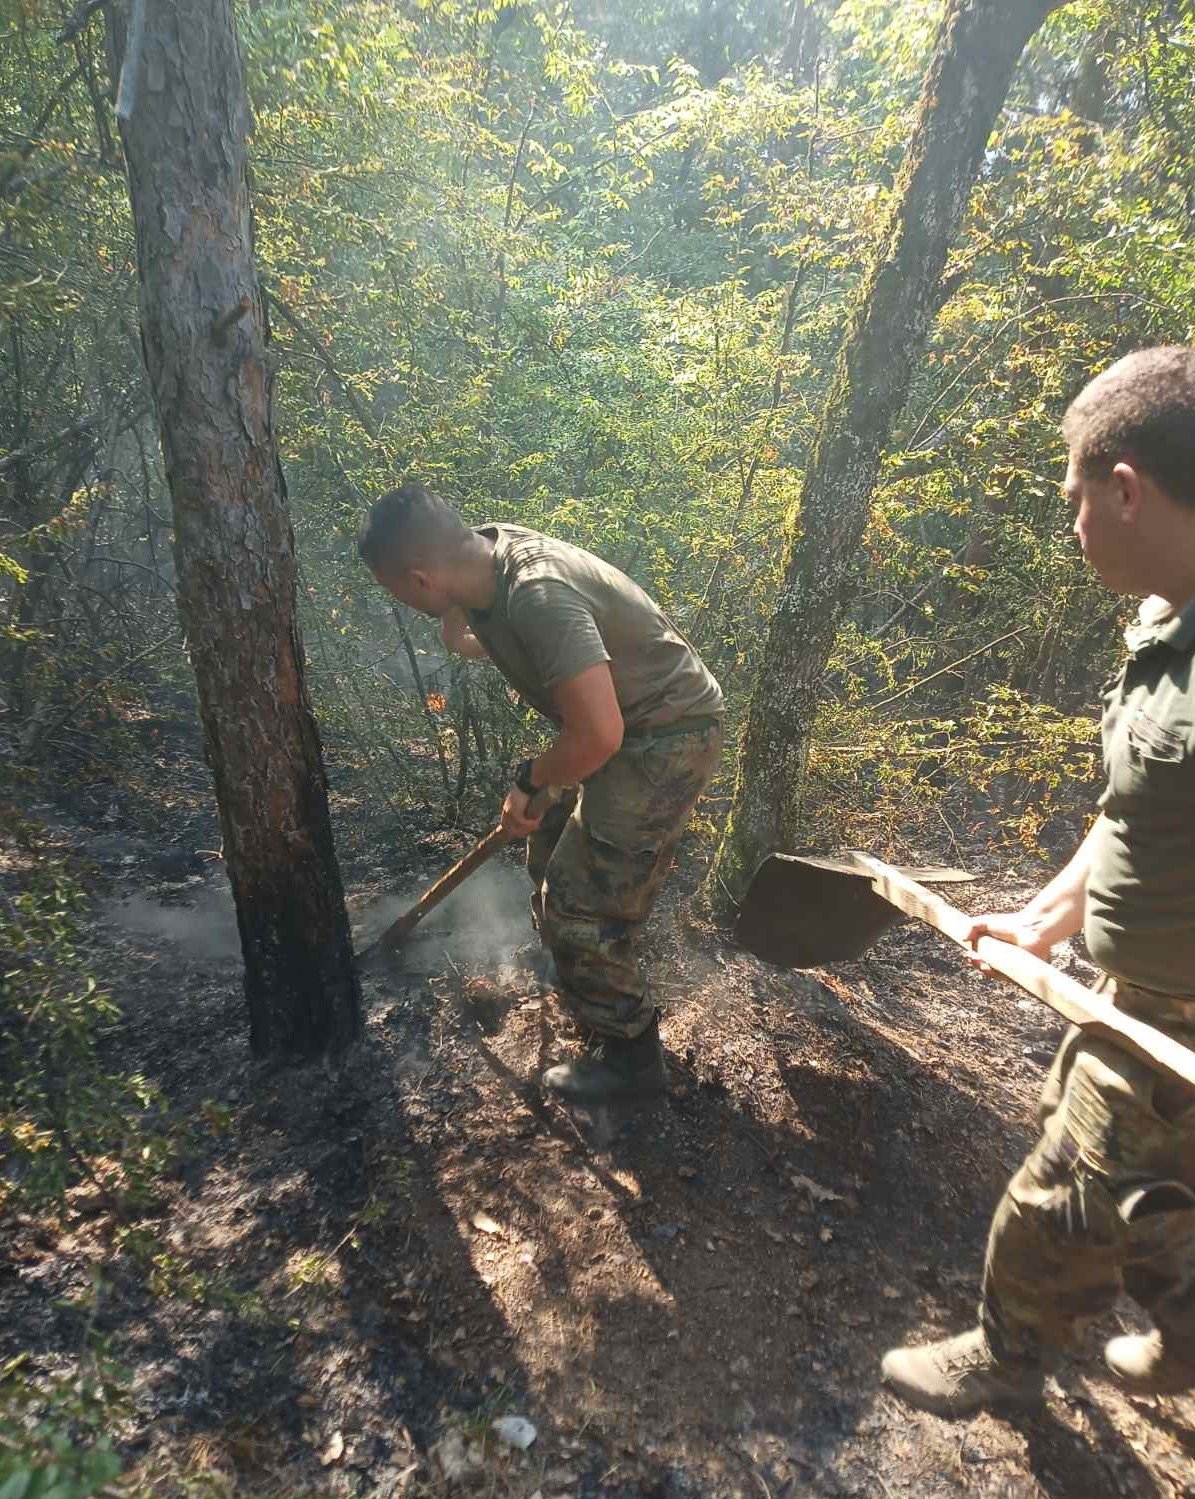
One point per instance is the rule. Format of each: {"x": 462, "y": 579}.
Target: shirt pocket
{"x": 1158, "y": 752}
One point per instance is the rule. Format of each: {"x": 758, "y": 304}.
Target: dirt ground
{"x": 359, "y": 1271}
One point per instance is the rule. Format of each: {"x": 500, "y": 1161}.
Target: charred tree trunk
{"x": 183, "y": 115}
{"x": 978, "y": 46}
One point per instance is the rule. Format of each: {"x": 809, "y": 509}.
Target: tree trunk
{"x": 183, "y": 115}
{"x": 978, "y": 46}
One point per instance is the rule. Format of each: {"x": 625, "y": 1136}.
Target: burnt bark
{"x": 183, "y": 115}
{"x": 978, "y": 45}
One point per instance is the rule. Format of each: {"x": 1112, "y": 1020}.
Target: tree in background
{"x": 183, "y": 113}
{"x": 979, "y": 44}
{"x": 590, "y": 270}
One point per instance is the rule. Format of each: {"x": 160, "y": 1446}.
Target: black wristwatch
{"x": 523, "y": 778}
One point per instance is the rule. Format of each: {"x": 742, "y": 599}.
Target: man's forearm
{"x": 458, "y": 637}
{"x": 1060, "y": 906}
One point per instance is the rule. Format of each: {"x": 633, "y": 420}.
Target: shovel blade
{"x": 807, "y": 912}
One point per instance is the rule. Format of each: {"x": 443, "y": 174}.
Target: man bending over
{"x": 639, "y": 734}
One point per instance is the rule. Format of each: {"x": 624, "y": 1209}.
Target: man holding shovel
{"x": 639, "y": 733}
{"x": 1105, "y": 1201}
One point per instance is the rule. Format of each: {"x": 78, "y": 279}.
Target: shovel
{"x": 398, "y": 931}
{"x": 802, "y": 913}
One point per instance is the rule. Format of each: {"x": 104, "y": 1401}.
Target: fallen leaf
{"x": 815, "y": 1190}
{"x": 485, "y": 1224}
{"x": 458, "y": 1460}
{"x": 334, "y": 1451}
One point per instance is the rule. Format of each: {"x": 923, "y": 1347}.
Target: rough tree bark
{"x": 979, "y": 43}
{"x": 183, "y": 116}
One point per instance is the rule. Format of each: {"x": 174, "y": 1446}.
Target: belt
{"x": 671, "y": 730}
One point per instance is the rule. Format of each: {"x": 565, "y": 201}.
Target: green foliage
{"x": 64, "y": 1118}
{"x": 1009, "y": 762}
{"x": 586, "y": 268}
{"x": 55, "y": 1440}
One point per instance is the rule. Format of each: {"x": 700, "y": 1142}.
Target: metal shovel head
{"x": 805, "y": 912}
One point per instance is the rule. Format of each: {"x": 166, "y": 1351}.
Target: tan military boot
{"x": 1144, "y": 1365}
{"x": 958, "y": 1376}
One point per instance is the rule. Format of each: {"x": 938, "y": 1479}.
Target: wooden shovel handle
{"x": 459, "y": 872}
{"x": 1073, "y": 1000}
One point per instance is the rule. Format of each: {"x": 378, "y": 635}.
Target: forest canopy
{"x": 587, "y": 267}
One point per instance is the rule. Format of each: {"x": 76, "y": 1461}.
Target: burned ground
{"x": 354, "y": 1272}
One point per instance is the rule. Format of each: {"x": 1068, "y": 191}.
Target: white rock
{"x": 515, "y": 1431}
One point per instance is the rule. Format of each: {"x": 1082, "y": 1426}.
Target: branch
{"x": 433, "y": 728}
{"x": 574, "y": 178}
{"x": 510, "y": 194}
{"x": 78, "y": 20}
{"x": 64, "y": 718}
{"x": 311, "y": 339}
{"x": 43, "y": 119}
{"x": 941, "y": 672}
{"x": 43, "y": 444}
{"x": 1017, "y": 317}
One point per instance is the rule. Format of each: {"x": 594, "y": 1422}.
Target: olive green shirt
{"x": 1140, "y": 917}
{"x": 558, "y": 610}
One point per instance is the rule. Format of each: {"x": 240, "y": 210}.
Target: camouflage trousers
{"x": 1105, "y": 1201}
{"x": 597, "y": 862}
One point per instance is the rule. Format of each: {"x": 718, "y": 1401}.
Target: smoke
{"x": 480, "y": 926}
{"x": 205, "y": 929}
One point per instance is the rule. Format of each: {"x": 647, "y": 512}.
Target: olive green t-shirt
{"x": 1140, "y": 917}
{"x": 559, "y": 610}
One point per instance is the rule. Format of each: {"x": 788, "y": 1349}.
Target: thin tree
{"x": 978, "y": 46}
{"x": 183, "y": 115}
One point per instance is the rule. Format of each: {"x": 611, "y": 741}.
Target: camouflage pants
{"x": 1105, "y": 1201}
{"x": 597, "y": 862}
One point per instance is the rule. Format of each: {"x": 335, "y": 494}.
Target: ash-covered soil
{"x": 356, "y": 1272}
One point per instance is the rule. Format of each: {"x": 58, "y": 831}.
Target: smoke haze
{"x": 480, "y": 926}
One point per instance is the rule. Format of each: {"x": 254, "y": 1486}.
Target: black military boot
{"x": 613, "y": 1069}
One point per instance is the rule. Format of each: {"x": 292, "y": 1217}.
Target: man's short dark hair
{"x": 1141, "y": 411}
{"x": 409, "y": 526}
